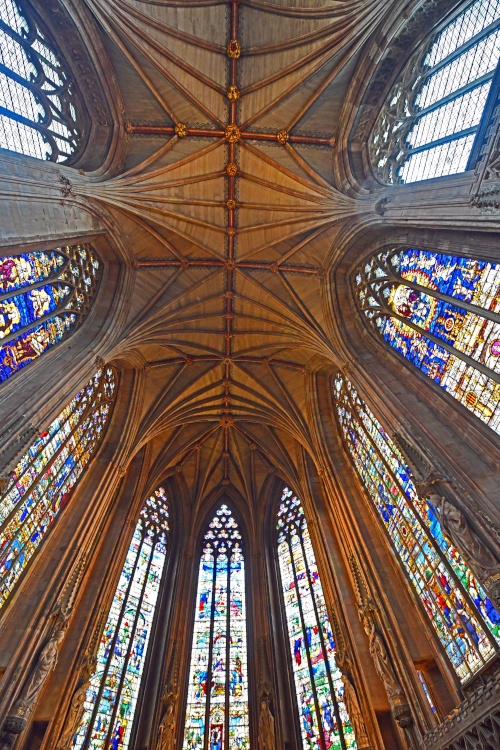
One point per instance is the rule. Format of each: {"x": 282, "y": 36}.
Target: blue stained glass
{"x": 114, "y": 687}
{"x": 42, "y": 314}
{"x": 464, "y": 618}
{"x": 42, "y": 481}
{"x": 217, "y": 704}
{"x": 442, "y": 313}
{"x": 318, "y": 681}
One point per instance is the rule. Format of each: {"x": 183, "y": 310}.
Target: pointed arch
{"x": 318, "y": 681}
{"x": 43, "y": 479}
{"x": 439, "y": 311}
{"x": 464, "y": 619}
{"x": 44, "y": 297}
{"x": 114, "y": 687}
{"x": 217, "y": 702}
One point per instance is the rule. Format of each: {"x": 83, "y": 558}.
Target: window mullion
{"x": 112, "y": 645}
{"x": 208, "y": 691}
{"x": 463, "y": 48}
{"x": 308, "y": 655}
{"x": 124, "y": 666}
{"x": 323, "y": 647}
{"x": 44, "y": 469}
{"x": 444, "y": 345}
{"x": 228, "y": 653}
{"x": 429, "y": 536}
{"x": 456, "y": 94}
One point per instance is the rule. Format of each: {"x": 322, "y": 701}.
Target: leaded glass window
{"x": 42, "y": 481}
{"x": 463, "y": 617}
{"x": 38, "y": 102}
{"x": 440, "y": 312}
{"x": 217, "y": 704}
{"x": 44, "y": 295}
{"x": 429, "y": 122}
{"x": 319, "y": 689}
{"x": 114, "y": 687}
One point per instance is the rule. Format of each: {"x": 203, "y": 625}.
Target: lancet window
{"x": 463, "y": 617}
{"x": 441, "y": 313}
{"x": 319, "y": 688}
{"x": 429, "y": 122}
{"x": 38, "y": 101}
{"x": 114, "y": 687}
{"x": 41, "y": 484}
{"x": 44, "y": 295}
{"x": 217, "y": 704}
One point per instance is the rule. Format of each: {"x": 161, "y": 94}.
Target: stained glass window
{"x": 324, "y": 721}
{"x": 464, "y": 618}
{"x": 38, "y": 104}
{"x": 42, "y": 481}
{"x": 430, "y": 120}
{"x": 44, "y": 295}
{"x": 440, "y": 312}
{"x": 114, "y": 687}
{"x": 217, "y": 704}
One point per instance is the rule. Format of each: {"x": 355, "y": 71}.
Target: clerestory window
{"x": 39, "y": 106}
{"x": 430, "y": 119}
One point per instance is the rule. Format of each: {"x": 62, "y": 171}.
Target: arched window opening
{"x": 42, "y": 481}
{"x": 318, "y": 681}
{"x": 44, "y": 296}
{"x": 462, "y": 615}
{"x": 38, "y": 102}
{"x": 217, "y": 704}
{"x": 440, "y": 312}
{"x": 114, "y": 687}
{"x": 429, "y": 122}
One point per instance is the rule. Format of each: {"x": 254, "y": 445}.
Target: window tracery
{"x": 44, "y": 295}
{"x": 42, "y": 481}
{"x": 463, "y": 617}
{"x": 440, "y": 312}
{"x": 114, "y": 687}
{"x": 39, "y": 107}
{"x": 429, "y": 121}
{"x": 217, "y": 704}
{"x": 318, "y": 681}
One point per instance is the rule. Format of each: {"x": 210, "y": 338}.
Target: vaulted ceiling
{"x": 227, "y": 198}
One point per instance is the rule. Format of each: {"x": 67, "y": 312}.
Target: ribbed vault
{"x": 227, "y": 197}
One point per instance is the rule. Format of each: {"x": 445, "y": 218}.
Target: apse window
{"x": 38, "y": 108}
{"x": 217, "y": 703}
{"x": 319, "y": 683}
{"x": 430, "y": 120}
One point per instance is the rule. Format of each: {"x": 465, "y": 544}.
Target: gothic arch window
{"x": 44, "y": 296}
{"x": 319, "y": 689}
{"x": 41, "y": 484}
{"x": 429, "y": 121}
{"x": 217, "y": 704}
{"x": 39, "y": 107}
{"x": 462, "y": 615}
{"x": 114, "y": 687}
{"x": 440, "y": 312}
